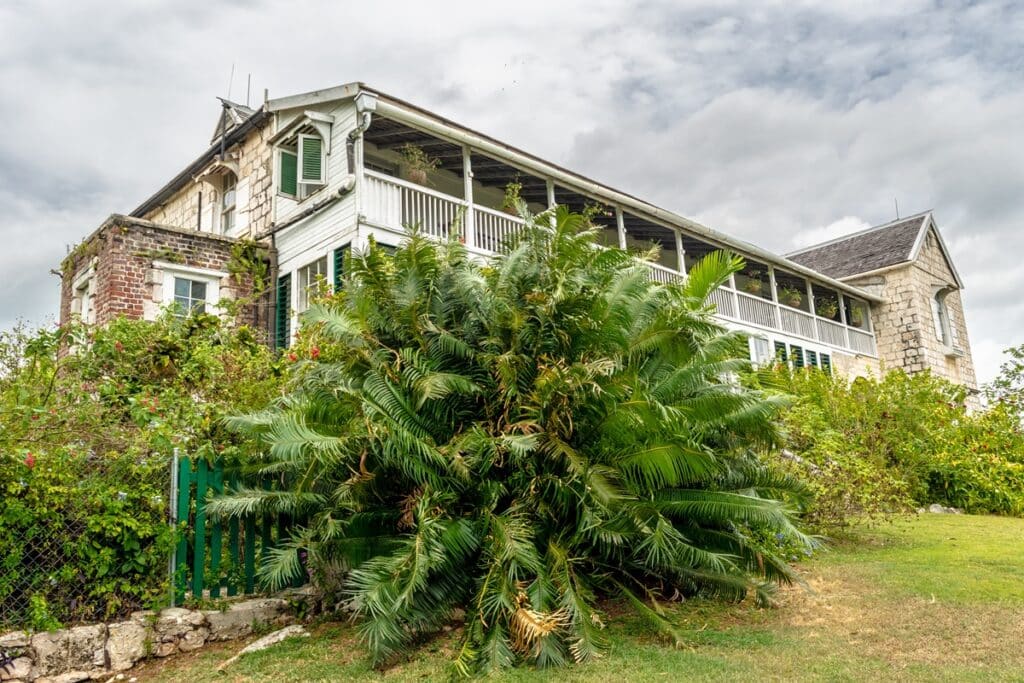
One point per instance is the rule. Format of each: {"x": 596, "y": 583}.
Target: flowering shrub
{"x": 88, "y": 421}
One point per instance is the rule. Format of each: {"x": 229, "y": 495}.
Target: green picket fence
{"x": 213, "y": 555}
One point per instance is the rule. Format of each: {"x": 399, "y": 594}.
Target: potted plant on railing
{"x": 826, "y": 308}
{"x": 791, "y": 297}
{"x": 754, "y": 284}
{"x": 510, "y": 202}
{"x": 856, "y": 317}
{"x": 417, "y": 163}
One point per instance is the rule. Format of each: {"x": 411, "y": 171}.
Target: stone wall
{"x": 850, "y": 366}
{"x": 126, "y": 255}
{"x": 254, "y": 193}
{"x": 904, "y": 326}
{"x": 97, "y": 651}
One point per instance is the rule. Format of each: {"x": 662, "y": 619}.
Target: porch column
{"x": 842, "y": 318}
{"x": 468, "y": 221}
{"x": 620, "y": 227}
{"x": 550, "y": 185}
{"x": 813, "y": 310}
{"x": 681, "y": 265}
{"x": 775, "y": 297}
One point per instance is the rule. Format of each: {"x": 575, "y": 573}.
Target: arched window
{"x": 940, "y": 314}
{"x": 227, "y": 203}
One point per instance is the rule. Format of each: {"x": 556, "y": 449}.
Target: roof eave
{"x": 177, "y": 182}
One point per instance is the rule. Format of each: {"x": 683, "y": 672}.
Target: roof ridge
{"x": 922, "y": 215}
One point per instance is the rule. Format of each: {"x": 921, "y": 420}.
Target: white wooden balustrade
{"x": 394, "y": 203}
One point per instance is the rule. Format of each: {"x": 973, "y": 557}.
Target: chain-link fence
{"x": 82, "y": 552}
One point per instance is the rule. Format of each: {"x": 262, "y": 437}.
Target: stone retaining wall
{"x": 99, "y": 651}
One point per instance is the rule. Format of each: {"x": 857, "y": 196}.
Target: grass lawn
{"x": 935, "y": 598}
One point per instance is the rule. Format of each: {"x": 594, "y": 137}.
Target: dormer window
{"x": 945, "y": 330}
{"x": 302, "y": 150}
{"x": 227, "y": 204}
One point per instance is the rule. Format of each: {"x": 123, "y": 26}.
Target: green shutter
{"x": 812, "y": 359}
{"x": 311, "y": 159}
{"x": 339, "y": 266}
{"x": 826, "y": 363}
{"x": 797, "y": 354}
{"x": 780, "y": 352}
{"x": 289, "y": 166}
{"x": 284, "y": 314}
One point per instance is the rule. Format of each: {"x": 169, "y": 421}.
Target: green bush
{"x": 515, "y": 440}
{"x": 88, "y": 421}
{"x": 874, "y": 446}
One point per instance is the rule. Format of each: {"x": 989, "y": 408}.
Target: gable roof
{"x": 232, "y": 115}
{"x": 883, "y": 246}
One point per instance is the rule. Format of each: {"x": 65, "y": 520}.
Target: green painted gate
{"x": 211, "y": 554}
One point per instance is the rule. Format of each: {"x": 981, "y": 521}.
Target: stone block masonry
{"x": 98, "y": 651}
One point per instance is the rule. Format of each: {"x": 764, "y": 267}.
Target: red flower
{"x": 30, "y": 460}
{"x": 314, "y": 353}
{"x": 292, "y": 357}
{"x": 119, "y": 346}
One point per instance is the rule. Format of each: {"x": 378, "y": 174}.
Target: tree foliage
{"x": 88, "y": 421}
{"x": 874, "y": 446}
{"x": 517, "y": 439}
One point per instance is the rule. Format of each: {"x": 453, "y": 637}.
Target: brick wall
{"x": 126, "y": 255}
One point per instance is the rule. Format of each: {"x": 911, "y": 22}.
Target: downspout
{"x": 271, "y": 294}
{"x": 350, "y": 142}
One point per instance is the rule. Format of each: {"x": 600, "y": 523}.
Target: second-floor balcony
{"x": 464, "y": 196}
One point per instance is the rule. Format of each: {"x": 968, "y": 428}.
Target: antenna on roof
{"x": 231, "y": 79}
{"x": 248, "y": 87}
{"x": 896, "y": 201}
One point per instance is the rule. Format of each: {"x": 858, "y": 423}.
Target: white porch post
{"x": 775, "y": 297}
{"x": 550, "y": 184}
{"x": 468, "y": 221}
{"x": 813, "y": 310}
{"x": 620, "y": 227}
{"x": 681, "y": 265}
{"x": 842, "y": 317}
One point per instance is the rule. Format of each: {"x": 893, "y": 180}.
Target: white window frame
{"x": 225, "y": 211}
{"x": 211, "y": 278}
{"x": 83, "y": 293}
{"x": 940, "y": 317}
{"x": 762, "y": 352}
{"x": 302, "y": 283}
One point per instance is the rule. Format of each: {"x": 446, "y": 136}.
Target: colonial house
{"x": 310, "y": 176}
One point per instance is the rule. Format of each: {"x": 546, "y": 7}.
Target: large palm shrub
{"x": 516, "y": 439}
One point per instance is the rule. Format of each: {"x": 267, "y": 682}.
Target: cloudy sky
{"x": 780, "y": 122}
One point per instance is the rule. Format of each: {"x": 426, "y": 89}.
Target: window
{"x": 83, "y": 301}
{"x": 826, "y": 363}
{"x": 312, "y": 280}
{"x": 940, "y": 315}
{"x": 227, "y": 204}
{"x": 282, "y": 327}
{"x": 812, "y": 359}
{"x": 189, "y": 296}
{"x": 302, "y": 167}
{"x": 760, "y": 351}
{"x": 780, "y": 352}
{"x": 797, "y": 354}
{"x": 188, "y": 289}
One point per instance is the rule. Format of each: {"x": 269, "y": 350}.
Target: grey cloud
{"x": 767, "y": 120}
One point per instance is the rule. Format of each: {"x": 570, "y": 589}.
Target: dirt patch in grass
{"x": 850, "y": 611}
